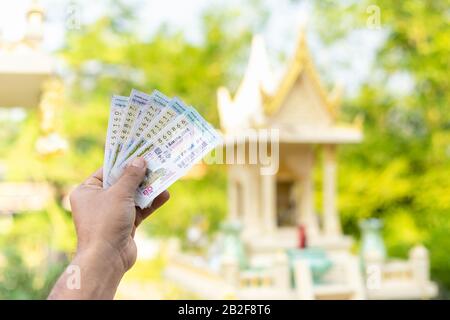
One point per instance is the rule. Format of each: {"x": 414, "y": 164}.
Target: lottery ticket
{"x": 173, "y": 109}
{"x": 136, "y": 103}
{"x": 171, "y": 137}
{"x": 175, "y": 112}
{"x": 180, "y": 146}
{"x": 118, "y": 105}
{"x": 157, "y": 103}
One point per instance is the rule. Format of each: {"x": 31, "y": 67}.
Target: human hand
{"x": 105, "y": 222}
{"x": 107, "y": 218}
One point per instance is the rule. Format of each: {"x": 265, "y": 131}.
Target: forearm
{"x": 93, "y": 274}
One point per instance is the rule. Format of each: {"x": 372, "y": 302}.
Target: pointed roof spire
{"x": 300, "y": 63}
{"x": 246, "y": 109}
{"x": 35, "y": 7}
{"x": 300, "y": 107}
{"x": 258, "y": 72}
{"x": 35, "y": 24}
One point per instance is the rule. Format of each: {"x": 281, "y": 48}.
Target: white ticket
{"x": 157, "y": 102}
{"x": 169, "y": 135}
{"x": 174, "y": 108}
{"x": 118, "y": 105}
{"x": 181, "y": 145}
{"x": 136, "y": 102}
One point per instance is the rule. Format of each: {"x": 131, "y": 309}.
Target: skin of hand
{"x": 105, "y": 222}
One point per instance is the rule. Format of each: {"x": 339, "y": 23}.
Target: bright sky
{"x": 280, "y": 33}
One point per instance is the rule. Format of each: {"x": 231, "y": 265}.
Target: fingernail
{"x": 138, "y": 162}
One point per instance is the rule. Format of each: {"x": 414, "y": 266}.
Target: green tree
{"x": 401, "y": 171}
{"x": 103, "y": 58}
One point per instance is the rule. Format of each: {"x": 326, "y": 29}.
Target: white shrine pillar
{"x": 331, "y": 222}
{"x": 268, "y": 202}
{"x": 233, "y": 198}
{"x": 252, "y": 223}
{"x": 306, "y": 214}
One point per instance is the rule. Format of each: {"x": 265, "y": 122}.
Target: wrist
{"x": 100, "y": 272}
{"x": 100, "y": 256}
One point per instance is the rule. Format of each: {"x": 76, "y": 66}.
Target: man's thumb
{"x": 131, "y": 177}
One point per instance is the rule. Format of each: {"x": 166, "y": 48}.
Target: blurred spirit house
{"x": 27, "y": 81}
{"x": 276, "y": 245}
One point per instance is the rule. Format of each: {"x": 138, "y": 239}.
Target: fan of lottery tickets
{"x": 169, "y": 135}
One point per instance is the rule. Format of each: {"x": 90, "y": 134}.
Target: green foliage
{"x": 18, "y": 281}
{"x": 31, "y": 255}
{"x": 190, "y": 198}
{"x": 401, "y": 171}
{"x": 103, "y": 58}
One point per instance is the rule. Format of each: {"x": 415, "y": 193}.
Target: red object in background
{"x": 301, "y": 236}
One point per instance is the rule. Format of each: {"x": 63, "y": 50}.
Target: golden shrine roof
{"x": 301, "y": 62}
